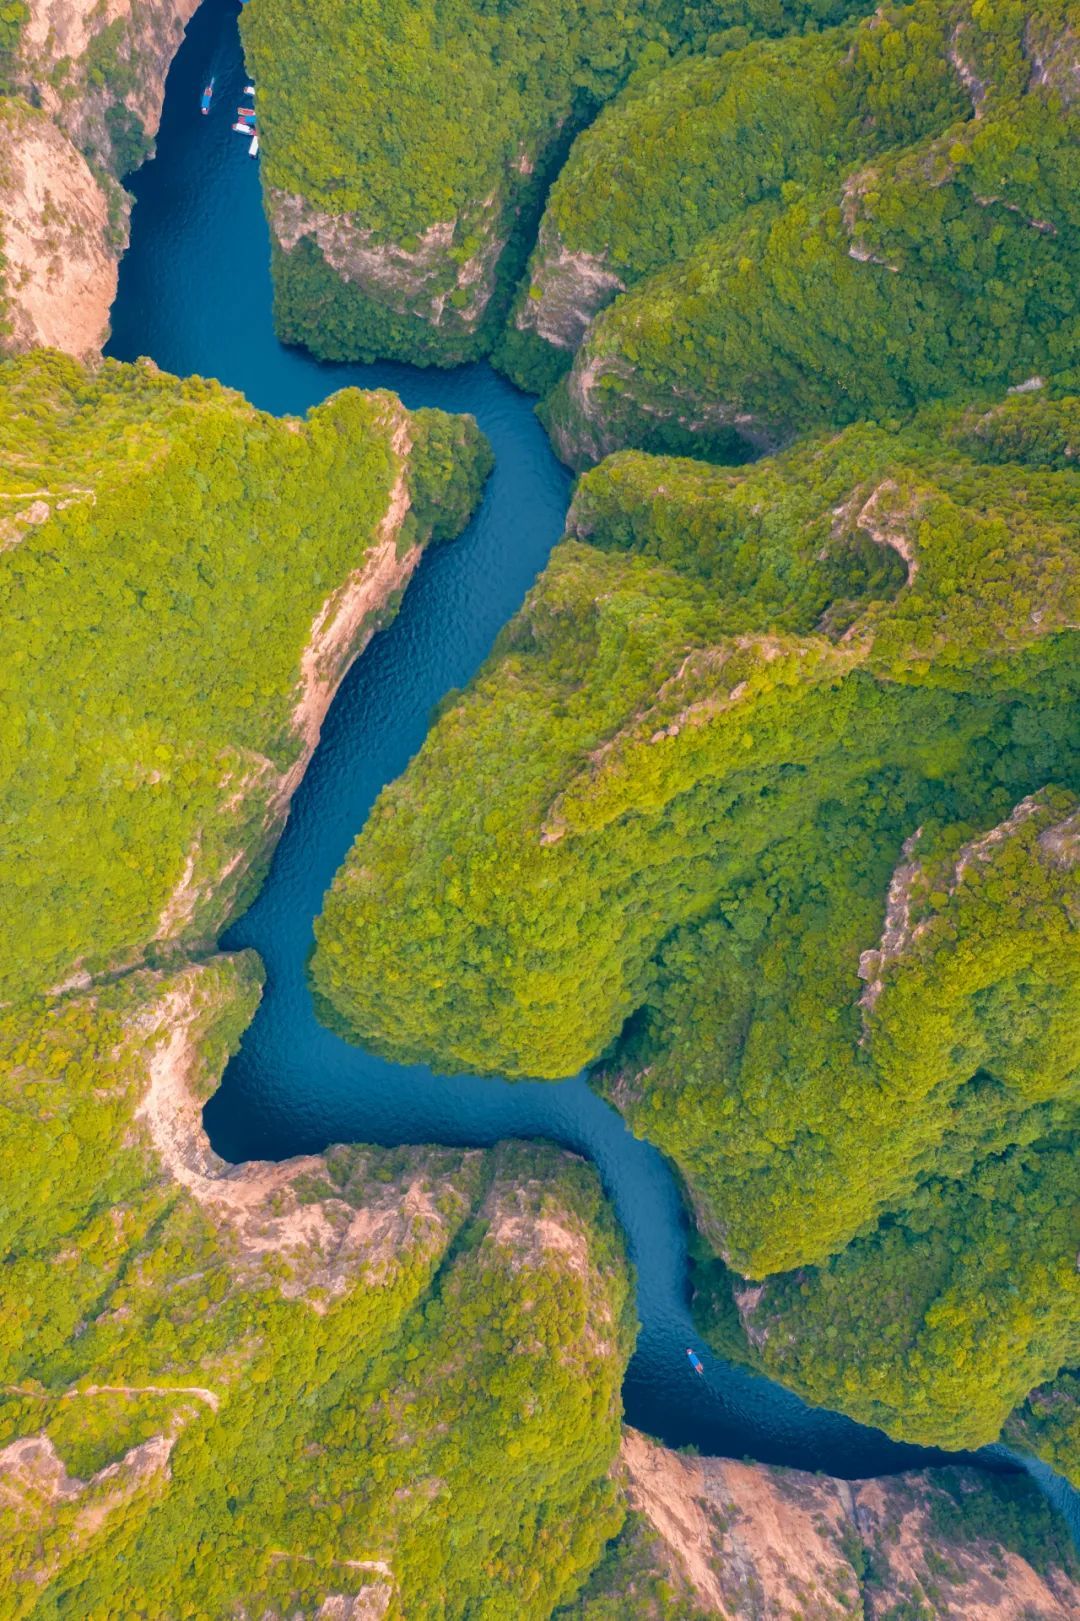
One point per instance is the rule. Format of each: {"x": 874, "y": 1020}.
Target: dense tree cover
{"x": 408, "y": 116}
{"x": 364, "y": 1423}
{"x": 941, "y": 1320}
{"x": 665, "y": 823}
{"x": 899, "y": 225}
{"x": 687, "y": 150}
{"x": 401, "y": 117}
{"x": 829, "y": 1111}
{"x": 1048, "y": 1424}
{"x": 165, "y": 551}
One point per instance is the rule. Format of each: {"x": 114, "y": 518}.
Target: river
{"x": 195, "y": 295}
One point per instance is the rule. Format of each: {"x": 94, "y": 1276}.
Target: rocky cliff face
{"x": 99, "y": 70}
{"x": 436, "y": 286}
{"x": 748, "y": 1542}
{"x": 568, "y": 289}
{"x": 59, "y": 253}
{"x": 90, "y": 80}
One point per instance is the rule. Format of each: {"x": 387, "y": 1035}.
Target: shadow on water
{"x": 195, "y": 295}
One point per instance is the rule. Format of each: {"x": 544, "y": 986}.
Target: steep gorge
{"x": 316, "y": 1236}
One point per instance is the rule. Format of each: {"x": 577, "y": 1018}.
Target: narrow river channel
{"x": 195, "y": 295}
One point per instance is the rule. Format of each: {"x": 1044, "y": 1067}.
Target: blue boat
{"x": 206, "y": 98}
{"x": 695, "y": 1361}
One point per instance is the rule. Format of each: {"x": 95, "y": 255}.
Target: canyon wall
{"x": 84, "y": 87}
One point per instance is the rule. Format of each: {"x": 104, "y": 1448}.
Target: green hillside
{"x": 746, "y": 722}
{"x": 812, "y": 232}
{"x": 166, "y": 549}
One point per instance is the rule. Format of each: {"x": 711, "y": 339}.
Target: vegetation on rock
{"x": 407, "y": 202}
{"x": 166, "y": 550}
{"x": 767, "y": 798}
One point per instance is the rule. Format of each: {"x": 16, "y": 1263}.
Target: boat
{"x": 206, "y": 98}
{"x": 244, "y": 129}
{"x": 253, "y": 149}
{"x": 695, "y": 1361}
{"x": 245, "y": 112}
{"x": 249, "y": 90}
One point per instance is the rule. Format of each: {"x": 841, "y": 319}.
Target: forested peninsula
{"x": 765, "y": 808}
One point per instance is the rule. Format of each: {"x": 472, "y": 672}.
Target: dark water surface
{"x": 195, "y": 295}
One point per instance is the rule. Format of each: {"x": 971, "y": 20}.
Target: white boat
{"x": 253, "y": 149}
{"x": 244, "y": 129}
{"x": 249, "y": 90}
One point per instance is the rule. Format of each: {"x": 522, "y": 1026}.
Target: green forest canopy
{"x": 166, "y": 550}
{"x": 661, "y": 826}
{"x": 816, "y": 231}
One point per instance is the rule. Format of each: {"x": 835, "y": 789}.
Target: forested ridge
{"x": 767, "y": 800}
{"x": 763, "y": 804}
{"x": 166, "y": 550}
{"x": 406, "y": 148}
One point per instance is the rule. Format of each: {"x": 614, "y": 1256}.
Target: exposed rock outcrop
{"x": 567, "y": 290}
{"x": 263, "y": 1208}
{"x": 59, "y": 278}
{"x": 87, "y": 63}
{"x": 747, "y": 1542}
{"x": 421, "y": 278}
{"x": 93, "y": 79}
